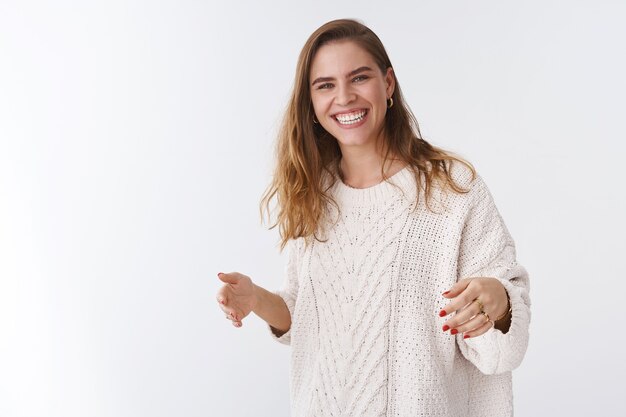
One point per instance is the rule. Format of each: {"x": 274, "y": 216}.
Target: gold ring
{"x": 480, "y": 304}
{"x": 486, "y": 315}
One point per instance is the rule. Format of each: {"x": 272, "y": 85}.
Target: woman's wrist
{"x": 257, "y": 293}
{"x": 272, "y": 309}
{"x": 508, "y": 310}
{"x": 503, "y": 323}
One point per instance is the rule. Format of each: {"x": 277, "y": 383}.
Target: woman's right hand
{"x": 237, "y": 297}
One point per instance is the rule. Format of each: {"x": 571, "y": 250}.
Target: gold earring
{"x": 389, "y": 103}
{"x": 315, "y": 120}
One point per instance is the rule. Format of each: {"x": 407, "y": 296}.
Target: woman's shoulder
{"x": 447, "y": 175}
{"x": 463, "y": 174}
{"x": 456, "y": 188}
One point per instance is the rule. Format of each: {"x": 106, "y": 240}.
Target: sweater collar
{"x": 376, "y": 194}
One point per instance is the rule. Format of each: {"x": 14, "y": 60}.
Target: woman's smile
{"x": 351, "y": 119}
{"x": 349, "y": 93}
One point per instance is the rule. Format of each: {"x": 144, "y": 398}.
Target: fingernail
{"x": 221, "y": 301}
{"x": 219, "y": 273}
{"x": 447, "y": 292}
{"x": 454, "y": 331}
{"x": 446, "y": 327}
{"x": 466, "y": 336}
{"x": 442, "y": 313}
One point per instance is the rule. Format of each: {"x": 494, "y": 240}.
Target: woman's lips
{"x": 351, "y": 119}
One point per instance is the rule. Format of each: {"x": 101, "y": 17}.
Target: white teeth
{"x": 350, "y": 119}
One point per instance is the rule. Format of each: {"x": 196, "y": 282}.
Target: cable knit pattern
{"x": 366, "y": 337}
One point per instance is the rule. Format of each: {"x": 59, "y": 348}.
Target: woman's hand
{"x": 477, "y": 302}
{"x": 237, "y": 297}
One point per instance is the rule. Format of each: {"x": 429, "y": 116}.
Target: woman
{"x": 402, "y": 296}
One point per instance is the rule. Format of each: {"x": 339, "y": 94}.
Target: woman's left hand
{"x": 477, "y": 303}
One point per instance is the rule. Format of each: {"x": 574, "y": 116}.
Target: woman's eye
{"x": 360, "y": 78}
{"x": 324, "y": 86}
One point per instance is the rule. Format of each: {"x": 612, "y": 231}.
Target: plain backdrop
{"x": 137, "y": 137}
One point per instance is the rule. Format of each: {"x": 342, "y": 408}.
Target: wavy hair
{"x": 306, "y": 154}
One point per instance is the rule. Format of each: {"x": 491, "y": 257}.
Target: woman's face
{"x": 349, "y": 93}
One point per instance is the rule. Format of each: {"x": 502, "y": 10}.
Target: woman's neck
{"x": 365, "y": 171}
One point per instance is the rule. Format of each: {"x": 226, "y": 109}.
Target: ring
{"x": 486, "y": 315}
{"x": 480, "y": 304}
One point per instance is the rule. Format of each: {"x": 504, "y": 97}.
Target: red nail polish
{"x": 442, "y": 313}
{"x": 447, "y": 292}
{"x": 454, "y": 331}
{"x": 219, "y": 273}
{"x": 466, "y": 336}
{"x": 446, "y": 327}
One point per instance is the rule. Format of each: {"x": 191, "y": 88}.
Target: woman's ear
{"x": 390, "y": 80}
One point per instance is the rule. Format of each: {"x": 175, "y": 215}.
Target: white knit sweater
{"x": 366, "y": 337}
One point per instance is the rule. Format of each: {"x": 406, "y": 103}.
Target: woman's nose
{"x": 345, "y": 95}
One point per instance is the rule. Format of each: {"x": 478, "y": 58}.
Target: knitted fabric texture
{"x": 366, "y": 336}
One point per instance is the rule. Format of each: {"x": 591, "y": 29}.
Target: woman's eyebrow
{"x": 360, "y": 69}
{"x": 350, "y": 74}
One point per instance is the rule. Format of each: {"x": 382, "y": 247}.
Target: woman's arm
{"x": 487, "y": 250}
{"x": 239, "y": 296}
{"x": 273, "y": 309}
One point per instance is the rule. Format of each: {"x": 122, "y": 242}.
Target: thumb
{"x": 457, "y": 288}
{"x": 228, "y": 278}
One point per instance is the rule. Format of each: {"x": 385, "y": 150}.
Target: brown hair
{"x": 305, "y": 151}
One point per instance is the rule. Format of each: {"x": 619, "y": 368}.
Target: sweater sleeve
{"x": 289, "y": 291}
{"x": 487, "y": 250}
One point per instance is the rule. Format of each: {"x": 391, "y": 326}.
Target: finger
{"x": 480, "y": 331}
{"x": 231, "y": 278}
{"x": 457, "y": 288}
{"x": 459, "y": 302}
{"x": 232, "y": 318}
{"x": 473, "y": 324}
{"x": 230, "y": 312}
{"x": 462, "y": 316}
{"x": 221, "y": 298}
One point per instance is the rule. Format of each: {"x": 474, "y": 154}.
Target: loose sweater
{"x": 366, "y": 337}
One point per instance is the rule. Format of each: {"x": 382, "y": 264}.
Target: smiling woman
{"x": 350, "y": 103}
{"x": 403, "y": 295}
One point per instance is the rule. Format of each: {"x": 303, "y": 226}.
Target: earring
{"x": 315, "y": 120}
{"x": 389, "y": 103}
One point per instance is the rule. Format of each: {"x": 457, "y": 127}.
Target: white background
{"x": 136, "y": 139}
